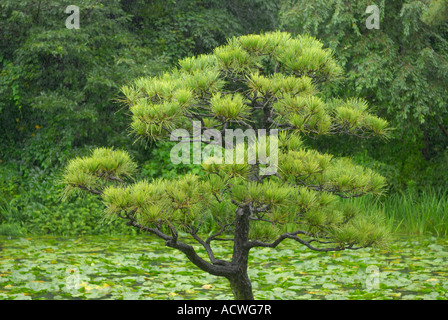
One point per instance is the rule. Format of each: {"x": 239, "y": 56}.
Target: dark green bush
{"x": 31, "y": 204}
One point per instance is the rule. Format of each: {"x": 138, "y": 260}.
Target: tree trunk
{"x": 239, "y": 280}
{"x": 241, "y": 286}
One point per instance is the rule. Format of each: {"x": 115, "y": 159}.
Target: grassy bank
{"x": 411, "y": 211}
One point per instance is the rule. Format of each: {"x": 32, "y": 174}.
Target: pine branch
{"x": 93, "y": 191}
{"x": 209, "y": 250}
{"x": 293, "y": 236}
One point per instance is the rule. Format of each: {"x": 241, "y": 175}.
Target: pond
{"x": 142, "y": 268}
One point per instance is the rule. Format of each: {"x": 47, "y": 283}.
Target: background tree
{"x": 269, "y": 81}
{"x": 53, "y": 96}
{"x": 180, "y": 28}
{"x": 58, "y": 88}
{"x": 436, "y": 13}
{"x": 401, "y": 69}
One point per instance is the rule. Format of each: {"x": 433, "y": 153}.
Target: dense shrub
{"x": 31, "y": 204}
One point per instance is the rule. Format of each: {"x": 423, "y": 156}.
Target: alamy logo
{"x": 373, "y": 278}
{"x": 72, "y": 279}
{"x": 72, "y": 21}
{"x": 260, "y": 148}
{"x": 373, "y": 21}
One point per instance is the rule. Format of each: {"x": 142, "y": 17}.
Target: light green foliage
{"x": 160, "y": 202}
{"x": 157, "y": 110}
{"x": 280, "y": 85}
{"x": 281, "y": 76}
{"x": 323, "y": 172}
{"x": 229, "y": 107}
{"x": 94, "y": 172}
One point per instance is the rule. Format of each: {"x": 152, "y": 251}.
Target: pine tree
{"x": 268, "y": 81}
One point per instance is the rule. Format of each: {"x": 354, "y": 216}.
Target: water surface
{"x": 142, "y": 268}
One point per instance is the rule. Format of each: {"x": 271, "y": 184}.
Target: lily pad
{"x": 142, "y": 268}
